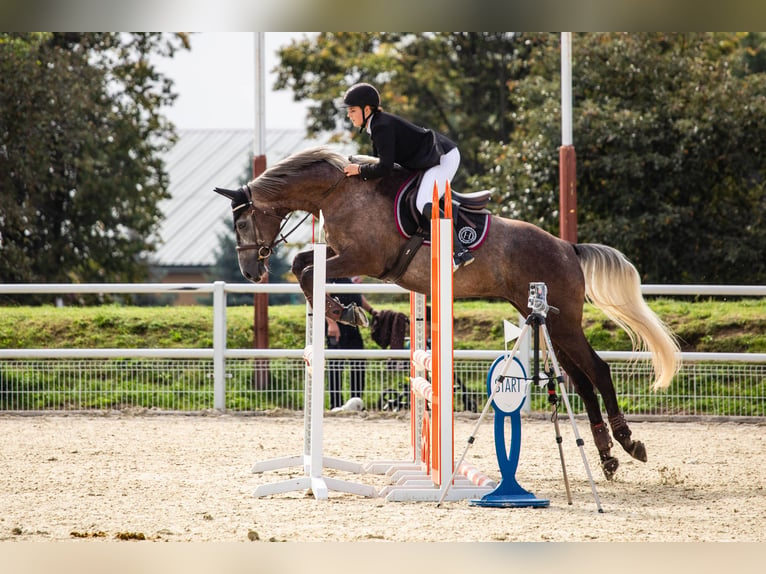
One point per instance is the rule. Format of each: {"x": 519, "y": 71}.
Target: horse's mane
{"x": 271, "y": 181}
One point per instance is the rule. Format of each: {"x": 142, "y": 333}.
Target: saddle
{"x": 469, "y": 215}
{"x": 469, "y": 211}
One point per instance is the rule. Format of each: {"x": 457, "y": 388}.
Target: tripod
{"x": 536, "y": 321}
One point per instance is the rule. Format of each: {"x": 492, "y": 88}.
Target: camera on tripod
{"x": 538, "y": 298}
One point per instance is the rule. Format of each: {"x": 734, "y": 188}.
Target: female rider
{"x": 396, "y": 140}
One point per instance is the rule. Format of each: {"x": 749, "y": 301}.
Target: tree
{"x": 456, "y": 83}
{"x": 669, "y": 131}
{"x": 80, "y": 168}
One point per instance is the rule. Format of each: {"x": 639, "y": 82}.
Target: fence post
{"x": 219, "y": 345}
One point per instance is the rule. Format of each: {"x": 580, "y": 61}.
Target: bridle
{"x": 266, "y": 249}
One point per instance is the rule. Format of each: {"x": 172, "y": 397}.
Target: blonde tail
{"x": 613, "y": 285}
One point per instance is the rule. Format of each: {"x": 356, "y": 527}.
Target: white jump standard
{"x": 312, "y": 458}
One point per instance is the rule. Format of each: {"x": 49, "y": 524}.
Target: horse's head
{"x": 297, "y": 183}
{"x": 256, "y": 230}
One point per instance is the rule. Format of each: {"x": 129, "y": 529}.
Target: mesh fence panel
{"x": 711, "y": 389}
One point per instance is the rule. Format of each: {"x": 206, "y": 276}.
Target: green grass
{"x": 704, "y": 326}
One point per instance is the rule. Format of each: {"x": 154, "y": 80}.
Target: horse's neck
{"x": 311, "y": 197}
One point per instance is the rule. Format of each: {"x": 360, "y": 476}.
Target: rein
{"x": 265, "y": 250}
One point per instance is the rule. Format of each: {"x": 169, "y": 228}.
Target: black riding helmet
{"x": 362, "y": 95}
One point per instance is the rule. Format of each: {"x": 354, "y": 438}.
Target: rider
{"x": 395, "y": 140}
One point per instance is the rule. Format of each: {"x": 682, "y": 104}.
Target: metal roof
{"x": 199, "y": 161}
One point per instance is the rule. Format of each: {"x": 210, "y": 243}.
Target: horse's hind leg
{"x": 602, "y": 379}
{"x": 622, "y": 433}
{"x": 593, "y": 368}
{"x": 599, "y": 430}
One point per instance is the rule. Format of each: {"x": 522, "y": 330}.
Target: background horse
{"x": 362, "y": 239}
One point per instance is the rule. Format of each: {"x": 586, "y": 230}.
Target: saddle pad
{"x": 472, "y": 227}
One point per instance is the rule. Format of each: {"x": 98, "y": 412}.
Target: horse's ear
{"x": 230, "y": 193}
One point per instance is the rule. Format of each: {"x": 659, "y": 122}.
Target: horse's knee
{"x": 300, "y": 263}
{"x": 304, "y": 273}
{"x": 296, "y": 270}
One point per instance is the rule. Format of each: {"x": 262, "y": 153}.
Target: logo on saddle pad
{"x": 470, "y": 215}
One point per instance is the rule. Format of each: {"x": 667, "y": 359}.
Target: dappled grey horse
{"x": 363, "y": 239}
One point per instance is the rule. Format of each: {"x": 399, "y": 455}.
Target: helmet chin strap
{"x": 365, "y": 118}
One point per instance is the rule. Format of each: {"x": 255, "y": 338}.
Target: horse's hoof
{"x": 609, "y": 466}
{"x": 353, "y": 315}
{"x": 360, "y": 317}
{"x": 634, "y": 448}
{"x": 638, "y": 451}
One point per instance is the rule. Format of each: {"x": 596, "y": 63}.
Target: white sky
{"x": 215, "y": 82}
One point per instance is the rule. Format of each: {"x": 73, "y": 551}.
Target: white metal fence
{"x": 728, "y": 384}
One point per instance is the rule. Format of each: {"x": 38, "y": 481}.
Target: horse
{"x": 362, "y": 239}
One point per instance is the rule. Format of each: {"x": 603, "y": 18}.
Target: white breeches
{"x": 439, "y": 174}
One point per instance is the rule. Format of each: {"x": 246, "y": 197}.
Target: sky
{"x": 215, "y": 82}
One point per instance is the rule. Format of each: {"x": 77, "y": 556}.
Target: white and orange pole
{"x": 441, "y": 340}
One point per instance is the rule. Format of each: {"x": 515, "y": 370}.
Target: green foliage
{"x": 80, "y": 173}
{"x": 669, "y": 132}
{"x": 709, "y": 325}
{"x": 705, "y": 325}
{"x": 452, "y": 82}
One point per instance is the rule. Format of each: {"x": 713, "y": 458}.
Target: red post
{"x": 260, "y": 309}
{"x": 567, "y": 194}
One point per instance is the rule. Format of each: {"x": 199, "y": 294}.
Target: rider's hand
{"x": 352, "y": 169}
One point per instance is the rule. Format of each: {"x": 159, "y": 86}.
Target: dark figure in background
{"x": 342, "y": 336}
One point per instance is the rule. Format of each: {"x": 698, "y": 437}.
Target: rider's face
{"x": 354, "y": 113}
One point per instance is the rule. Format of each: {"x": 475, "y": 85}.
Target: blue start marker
{"x": 507, "y": 384}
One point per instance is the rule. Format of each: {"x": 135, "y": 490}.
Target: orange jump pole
{"x": 429, "y": 477}
{"x": 441, "y": 340}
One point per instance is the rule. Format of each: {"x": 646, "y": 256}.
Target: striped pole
{"x": 441, "y": 341}
{"x": 429, "y": 476}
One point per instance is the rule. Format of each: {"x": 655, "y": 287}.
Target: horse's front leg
{"x": 300, "y": 262}
{"x": 303, "y": 269}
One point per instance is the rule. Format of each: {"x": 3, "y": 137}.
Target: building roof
{"x": 201, "y": 160}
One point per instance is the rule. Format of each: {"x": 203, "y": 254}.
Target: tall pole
{"x": 567, "y": 160}
{"x": 260, "y": 300}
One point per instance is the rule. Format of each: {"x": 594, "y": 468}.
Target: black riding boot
{"x": 460, "y": 254}
{"x": 427, "y": 208}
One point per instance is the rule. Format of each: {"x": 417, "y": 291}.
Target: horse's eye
{"x": 241, "y": 224}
